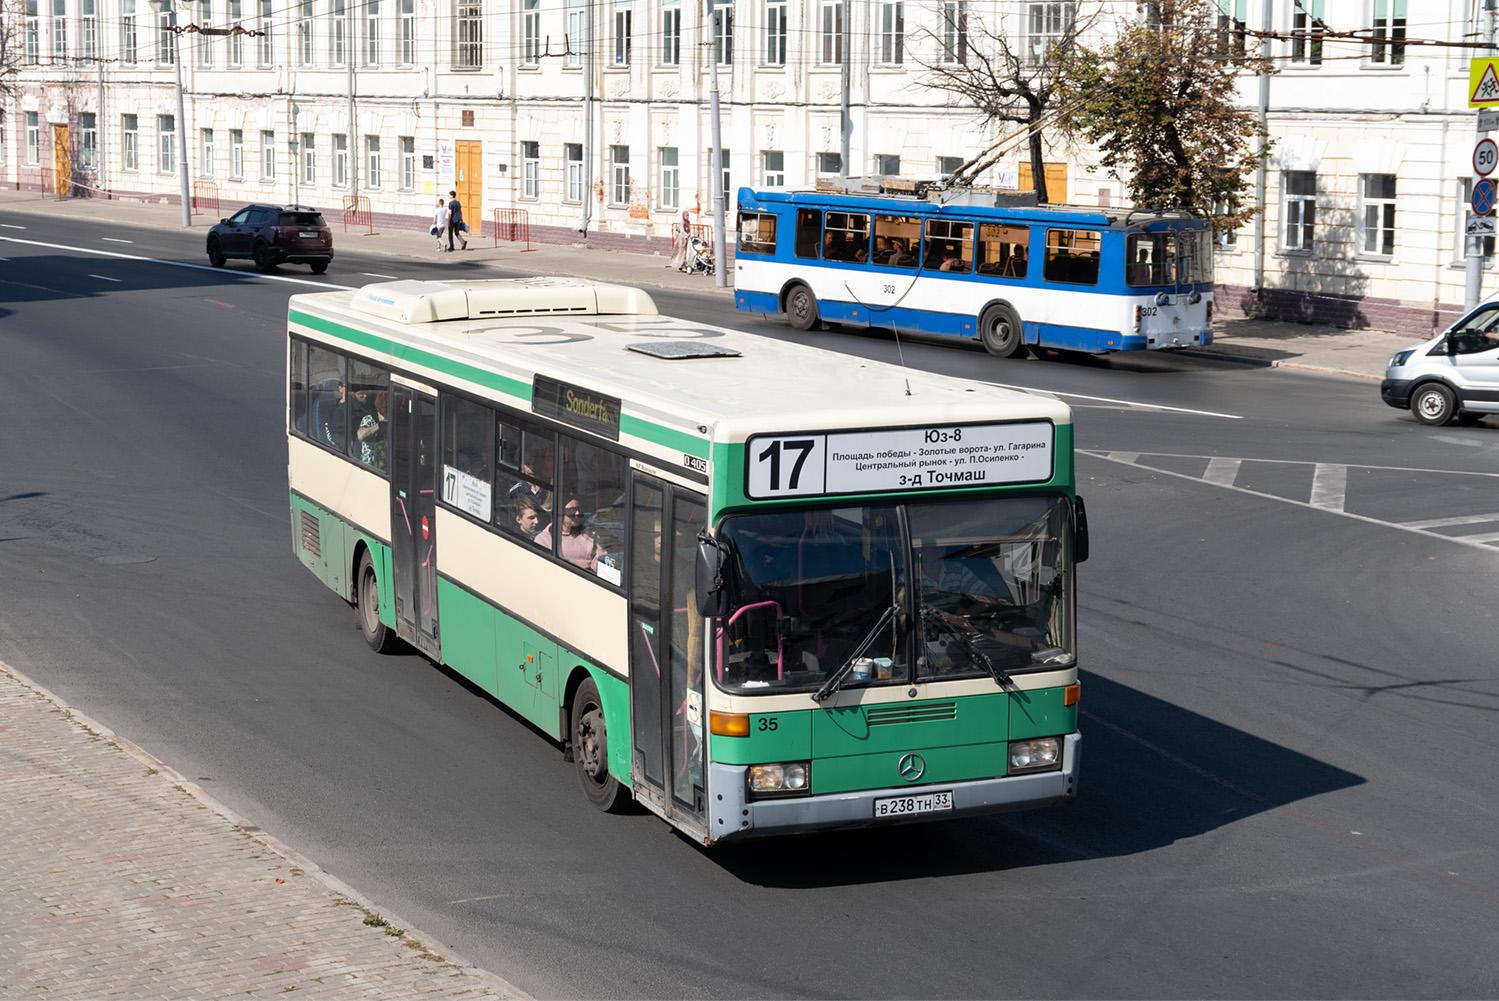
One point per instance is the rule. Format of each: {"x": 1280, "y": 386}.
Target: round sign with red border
{"x": 1485, "y": 157}
{"x": 425, "y": 529}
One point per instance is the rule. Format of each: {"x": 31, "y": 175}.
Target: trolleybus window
{"x": 808, "y": 232}
{"x": 1072, "y": 256}
{"x": 846, "y": 237}
{"x": 757, "y": 233}
{"x": 896, "y": 239}
{"x": 1002, "y": 249}
{"x": 949, "y": 245}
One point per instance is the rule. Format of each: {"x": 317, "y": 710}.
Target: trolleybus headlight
{"x": 1162, "y": 299}
{"x": 791, "y": 778}
{"x": 1195, "y": 297}
{"x": 1039, "y": 755}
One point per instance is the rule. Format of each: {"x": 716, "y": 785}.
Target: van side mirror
{"x": 712, "y": 588}
{"x": 1079, "y": 530}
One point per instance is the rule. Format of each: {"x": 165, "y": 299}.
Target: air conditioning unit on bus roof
{"x": 429, "y": 302}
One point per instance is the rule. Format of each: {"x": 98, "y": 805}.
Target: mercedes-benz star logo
{"x": 911, "y": 767}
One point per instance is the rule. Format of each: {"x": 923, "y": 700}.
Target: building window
{"x": 166, "y": 143}
{"x": 408, "y": 163}
{"x": 372, "y": 32}
{"x": 1465, "y": 197}
{"x": 531, "y": 30}
{"x": 1389, "y": 23}
{"x": 892, "y": 33}
{"x": 34, "y": 137}
{"x": 622, "y": 14}
{"x": 530, "y": 169}
{"x": 671, "y": 32}
{"x": 166, "y": 41}
{"x": 829, "y": 163}
{"x": 1306, "y": 32}
{"x": 1046, "y": 25}
{"x": 236, "y": 41}
{"x": 1225, "y": 239}
{"x": 831, "y": 31}
{"x": 127, "y": 32}
{"x": 130, "y": 137}
{"x": 1377, "y": 214}
{"x": 408, "y": 32}
{"x": 59, "y": 29}
{"x": 372, "y": 161}
{"x": 721, "y": 13}
{"x": 773, "y": 168}
{"x": 340, "y": 160}
{"x": 723, "y": 162}
{"x": 948, "y": 164}
{"x": 775, "y": 32}
{"x": 577, "y": 31}
{"x": 470, "y": 54}
{"x": 887, "y": 164}
{"x": 305, "y": 36}
{"x": 266, "y": 49}
{"x": 619, "y": 175}
{"x": 236, "y": 153}
{"x": 309, "y": 158}
{"x": 1300, "y": 187}
{"x": 671, "y": 179}
{"x": 573, "y": 154}
{"x": 267, "y": 155}
{"x": 1231, "y": 25}
{"x": 88, "y": 140}
{"x": 204, "y": 18}
{"x": 205, "y": 152}
{"x": 33, "y": 35}
{"x": 339, "y": 32}
{"x": 955, "y": 30}
{"x": 89, "y": 23}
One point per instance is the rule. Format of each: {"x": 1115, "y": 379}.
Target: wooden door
{"x": 62, "y": 162}
{"x": 1056, "y": 181}
{"x": 468, "y": 181}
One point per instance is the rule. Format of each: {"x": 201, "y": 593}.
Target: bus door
{"x": 667, "y": 649}
{"x": 413, "y": 514}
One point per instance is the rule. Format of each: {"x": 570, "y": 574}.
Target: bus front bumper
{"x": 733, "y": 816}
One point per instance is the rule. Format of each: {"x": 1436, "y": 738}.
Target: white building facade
{"x": 593, "y": 116}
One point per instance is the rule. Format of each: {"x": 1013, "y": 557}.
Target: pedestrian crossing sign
{"x": 1483, "y": 83}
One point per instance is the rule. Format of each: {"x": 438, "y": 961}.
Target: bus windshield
{"x": 1169, "y": 258}
{"x": 818, "y": 591}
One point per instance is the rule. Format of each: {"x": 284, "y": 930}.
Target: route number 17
{"x": 782, "y": 466}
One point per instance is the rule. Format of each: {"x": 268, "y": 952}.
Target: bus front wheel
{"x": 591, "y": 751}
{"x": 1001, "y": 333}
{"x": 380, "y": 637}
{"x": 801, "y": 308}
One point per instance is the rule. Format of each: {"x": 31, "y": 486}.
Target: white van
{"x": 1452, "y": 377}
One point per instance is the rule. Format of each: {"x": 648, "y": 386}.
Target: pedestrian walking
{"x": 679, "y": 250}
{"x": 455, "y": 221}
{"x": 439, "y": 221}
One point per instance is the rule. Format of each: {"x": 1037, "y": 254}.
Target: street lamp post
{"x": 170, "y": 7}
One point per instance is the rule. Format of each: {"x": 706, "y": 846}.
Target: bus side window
{"x": 808, "y": 233}
{"x": 299, "y": 386}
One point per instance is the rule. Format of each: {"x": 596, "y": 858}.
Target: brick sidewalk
{"x": 120, "y": 879}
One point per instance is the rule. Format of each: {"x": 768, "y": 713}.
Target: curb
{"x": 94, "y": 728}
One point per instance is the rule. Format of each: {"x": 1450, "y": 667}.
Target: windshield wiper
{"x": 930, "y": 613}
{"x": 835, "y": 681}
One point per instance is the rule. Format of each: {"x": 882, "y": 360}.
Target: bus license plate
{"x": 905, "y": 806}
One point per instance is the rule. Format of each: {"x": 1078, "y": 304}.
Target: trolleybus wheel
{"x": 380, "y": 637}
{"x": 591, "y": 751}
{"x": 1001, "y": 333}
{"x": 801, "y": 308}
{"x": 1434, "y": 404}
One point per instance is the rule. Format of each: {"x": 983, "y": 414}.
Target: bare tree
{"x": 12, "y": 44}
{"x": 1011, "y": 72}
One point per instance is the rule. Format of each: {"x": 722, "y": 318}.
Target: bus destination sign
{"x": 582, "y": 408}
{"x": 857, "y": 462}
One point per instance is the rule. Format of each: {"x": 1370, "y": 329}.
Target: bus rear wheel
{"x": 380, "y": 637}
{"x": 591, "y": 751}
{"x": 801, "y": 308}
{"x": 1001, "y": 332}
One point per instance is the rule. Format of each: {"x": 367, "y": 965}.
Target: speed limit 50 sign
{"x": 1485, "y": 157}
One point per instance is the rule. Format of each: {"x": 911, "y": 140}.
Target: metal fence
{"x": 513, "y": 225}
{"x": 357, "y": 213}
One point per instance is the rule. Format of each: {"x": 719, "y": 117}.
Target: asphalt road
{"x": 1287, "y": 627}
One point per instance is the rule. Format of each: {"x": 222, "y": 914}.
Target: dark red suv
{"x": 273, "y": 234}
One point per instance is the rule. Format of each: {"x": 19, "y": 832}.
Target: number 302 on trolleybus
{"x": 959, "y": 263}
{"x": 757, "y": 587}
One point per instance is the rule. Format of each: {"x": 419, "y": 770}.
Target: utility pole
{"x": 1473, "y": 285}
{"x": 170, "y": 7}
{"x": 845, "y": 121}
{"x": 715, "y": 165}
{"x": 1259, "y": 174}
{"x": 587, "y": 122}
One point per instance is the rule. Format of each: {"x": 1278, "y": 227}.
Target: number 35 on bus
{"x": 758, "y": 588}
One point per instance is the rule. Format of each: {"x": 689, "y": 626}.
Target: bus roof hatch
{"x": 429, "y": 301}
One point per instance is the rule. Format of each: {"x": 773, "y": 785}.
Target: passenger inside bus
{"x": 528, "y": 520}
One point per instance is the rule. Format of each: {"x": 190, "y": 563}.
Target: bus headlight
{"x": 1042, "y": 754}
{"x": 791, "y": 778}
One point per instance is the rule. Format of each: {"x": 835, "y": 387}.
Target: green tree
{"x": 1161, "y": 106}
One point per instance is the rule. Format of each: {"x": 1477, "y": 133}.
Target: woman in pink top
{"x": 576, "y": 546}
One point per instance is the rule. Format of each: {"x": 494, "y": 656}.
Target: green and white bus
{"x": 758, "y": 587}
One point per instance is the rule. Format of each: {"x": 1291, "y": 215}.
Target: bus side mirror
{"x": 1079, "y": 530}
{"x": 712, "y": 589}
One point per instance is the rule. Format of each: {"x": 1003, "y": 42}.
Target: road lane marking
{"x": 115, "y": 239}
{"x": 8, "y": 225}
{"x": 1466, "y": 519}
{"x": 1120, "y": 403}
{"x": 1222, "y": 471}
{"x": 1329, "y": 486}
{"x": 371, "y": 274}
{"x": 1471, "y": 541}
{"x": 285, "y": 279}
{"x": 106, "y": 278}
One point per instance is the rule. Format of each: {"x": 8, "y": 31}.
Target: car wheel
{"x": 215, "y": 254}
{"x": 1434, "y": 404}
{"x": 262, "y": 257}
{"x": 1001, "y": 333}
{"x": 318, "y": 267}
{"x": 801, "y": 308}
